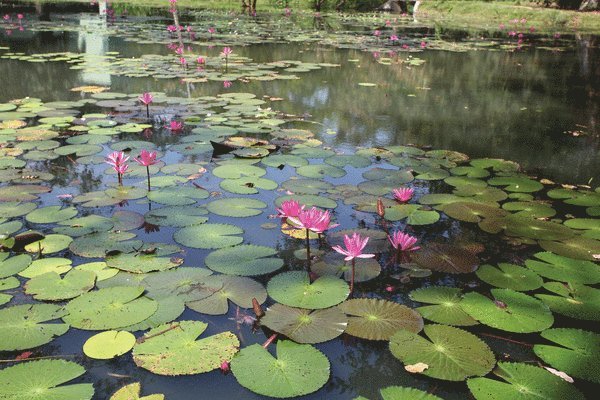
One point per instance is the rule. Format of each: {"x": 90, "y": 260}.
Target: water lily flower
{"x": 313, "y": 220}
{"x": 354, "y": 247}
{"x": 146, "y": 159}
{"x": 20, "y": 16}
{"x": 146, "y": 99}
{"x": 227, "y": 84}
{"x": 289, "y": 209}
{"x": 175, "y": 126}
{"x": 211, "y": 30}
{"x": 171, "y": 28}
{"x": 403, "y": 241}
{"x": 403, "y": 194}
{"x": 224, "y": 367}
{"x": 6, "y": 17}
{"x": 388, "y": 22}
{"x": 288, "y": 12}
{"x": 394, "y": 38}
{"x": 423, "y": 45}
{"x": 200, "y": 60}
{"x": 182, "y": 61}
{"x": 179, "y": 50}
{"x": 225, "y": 53}
{"x": 377, "y": 33}
{"x": 118, "y": 161}
{"x": 502, "y": 26}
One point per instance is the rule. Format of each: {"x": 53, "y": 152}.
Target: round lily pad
{"x": 579, "y": 355}
{"x": 446, "y": 258}
{"x": 450, "y": 353}
{"x": 177, "y": 216}
{"x": 240, "y": 290}
{"x": 236, "y": 171}
{"x": 109, "y": 308}
{"x": 177, "y": 196}
{"x": 43, "y": 380}
{"x": 574, "y": 300}
{"x": 446, "y": 305}
{"x": 414, "y": 214}
{"x": 516, "y": 183}
{"x": 523, "y": 382}
{"x": 14, "y": 265}
{"x": 510, "y": 276}
{"x": 406, "y": 393}
{"x": 294, "y": 289}
{"x": 376, "y": 319}
{"x": 133, "y": 392}
{"x": 305, "y": 326}
{"x": 76, "y": 227}
{"x": 510, "y": 311}
{"x": 50, "y": 286}
{"x": 320, "y": 171}
{"x": 306, "y": 186}
{"x": 247, "y": 185}
{"x": 236, "y": 207}
{"x": 564, "y": 269}
{"x": 577, "y": 247}
{"x": 51, "y": 214}
{"x": 109, "y": 344}
{"x": 245, "y": 260}
{"x": 185, "y": 283}
{"x": 299, "y": 369}
{"x": 365, "y": 268}
{"x": 44, "y": 265}
{"x": 23, "y": 326}
{"x": 169, "y": 309}
{"x": 140, "y": 263}
{"x": 172, "y": 349}
{"x": 52, "y": 243}
{"x": 209, "y": 236}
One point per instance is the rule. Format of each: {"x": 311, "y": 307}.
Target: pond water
{"x": 480, "y": 128}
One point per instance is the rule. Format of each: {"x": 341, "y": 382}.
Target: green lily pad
{"x": 342, "y": 160}
{"x": 320, "y": 171}
{"x": 308, "y": 200}
{"x": 299, "y": 369}
{"x": 305, "y": 326}
{"x": 450, "y": 353}
{"x": 177, "y": 216}
{"x": 43, "y": 380}
{"x": 446, "y": 258}
{"x": 472, "y": 212}
{"x": 172, "y": 349}
{"x": 22, "y": 192}
{"x": 236, "y": 207}
{"x": 516, "y": 183}
{"x": 365, "y": 268}
{"x": 517, "y": 225}
{"x": 240, "y": 290}
{"x": 209, "y": 236}
{"x": 50, "y": 286}
{"x": 133, "y": 392}
{"x": 169, "y": 309}
{"x": 376, "y": 319}
{"x": 294, "y": 289}
{"x": 530, "y": 209}
{"x": 496, "y": 164}
{"x": 109, "y": 308}
{"x": 13, "y": 209}
{"x": 523, "y": 382}
{"x": 574, "y": 300}
{"x": 306, "y": 186}
{"x": 510, "y": 311}
{"x": 577, "y": 247}
{"x": 22, "y": 327}
{"x": 275, "y": 160}
{"x": 9, "y": 283}
{"x": 185, "y": 283}
{"x": 51, "y": 214}
{"x": 414, "y": 214}
{"x": 99, "y": 244}
{"x": 245, "y": 260}
{"x": 108, "y": 345}
{"x": 44, "y": 265}
{"x": 510, "y": 276}
{"x": 446, "y": 305}
{"x": 99, "y": 268}
{"x": 564, "y": 269}
{"x": 236, "y": 171}
{"x": 247, "y": 185}
{"x": 579, "y": 356}
{"x": 14, "y": 265}
{"x": 77, "y": 227}
{"x": 583, "y": 198}
{"x": 177, "y": 196}
{"x": 140, "y": 263}
{"x": 52, "y": 243}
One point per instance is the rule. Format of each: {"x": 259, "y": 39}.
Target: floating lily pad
{"x": 245, "y": 260}
{"x": 446, "y": 258}
{"x": 13, "y": 209}
{"x": 414, "y": 214}
{"x": 306, "y": 186}
{"x": 209, "y": 236}
{"x": 247, "y": 185}
{"x": 516, "y": 183}
{"x": 14, "y": 265}
{"x": 50, "y": 214}
{"x": 236, "y": 207}
{"x": 523, "y": 382}
{"x": 276, "y": 160}
{"x": 576, "y": 197}
{"x": 579, "y": 356}
{"x": 577, "y": 247}
{"x": 169, "y": 309}
{"x": 44, "y": 265}
{"x": 365, "y": 269}
{"x": 109, "y": 344}
{"x": 23, "y": 326}
{"x": 50, "y": 286}
{"x": 236, "y": 171}
{"x": 22, "y": 192}
{"x": 240, "y": 290}
{"x": 133, "y": 392}
{"x": 446, "y": 305}
{"x": 376, "y": 319}
{"x": 177, "y": 216}
{"x": 109, "y": 308}
{"x": 294, "y": 289}
{"x": 451, "y": 353}
{"x": 185, "y": 283}
{"x": 99, "y": 268}
{"x": 530, "y": 209}
{"x": 308, "y": 200}
{"x": 574, "y": 300}
{"x": 299, "y": 369}
{"x": 99, "y": 244}
{"x": 510, "y": 311}
{"x": 52, "y": 243}
{"x": 84, "y": 225}
{"x": 172, "y": 349}
{"x": 43, "y": 380}
{"x": 320, "y": 171}
{"x": 305, "y": 326}
{"x": 517, "y": 225}
{"x": 510, "y": 276}
{"x": 472, "y": 212}
{"x": 177, "y": 196}
{"x": 564, "y": 269}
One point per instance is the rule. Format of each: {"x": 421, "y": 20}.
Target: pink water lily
{"x": 403, "y": 194}
{"x": 200, "y": 60}
{"x": 225, "y": 53}
{"x": 118, "y": 161}
{"x": 313, "y": 220}
{"x": 146, "y": 99}
{"x": 377, "y": 33}
{"x": 175, "y": 126}
{"x": 289, "y": 209}
{"x": 146, "y": 158}
{"x": 227, "y": 84}
{"x": 403, "y": 241}
{"x": 394, "y": 38}
{"x": 354, "y": 247}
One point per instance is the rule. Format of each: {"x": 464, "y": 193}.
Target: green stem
{"x": 352, "y": 277}
{"x": 147, "y": 111}
{"x": 308, "y": 249}
{"x": 148, "y": 172}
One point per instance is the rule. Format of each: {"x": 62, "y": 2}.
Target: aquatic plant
{"x": 146, "y": 99}
{"x": 403, "y": 194}
{"x": 354, "y": 247}
{"x": 226, "y": 52}
{"x": 313, "y": 220}
{"x": 118, "y": 161}
{"x": 146, "y": 159}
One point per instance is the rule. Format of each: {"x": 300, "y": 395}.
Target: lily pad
{"x": 414, "y": 214}
{"x": 574, "y": 300}
{"x": 564, "y": 269}
{"x": 109, "y": 344}
{"x": 133, "y": 392}
{"x": 14, "y": 265}
{"x": 43, "y": 380}
{"x": 299, "y": 369}
{"x": 51, "y": 214}
{"x": 376, "y": 319}
{"x": 245, "y": 260}
{"x": 236, "y": 207}
{"x": 50, "y": 286}
{"x": 141, "y": 263}
{"x": 44, "y": 265}
{"x": 305, "y": 326}
{"x": 523, "y": 382}
{"x": 23, "y": 326}
{"x": 516, "y": 183}
{"x": 577, "y": 247}
{"x": 172, "y": 349}
{"x": 446, "y": 305}
{"x": 209, "y": 236}
{"x": 365, "y": 269}
{"x": 177, "y": 216}
{"x": 510, "y": 276}
{"x": 240, "y": 290}
{"x": 109, "y": 308}
{"x": 294, "y": 289}
{"x": 451, "y": 353}
{"x": 509, "y": 311}
{"x": 177, "y": 195}
{"x": 446, "y": 258}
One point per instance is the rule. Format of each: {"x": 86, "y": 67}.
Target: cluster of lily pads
{"x": 74, "y": 254}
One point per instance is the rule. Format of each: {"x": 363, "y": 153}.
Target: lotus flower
{"x": 377, "y": 33}
{"x": 118, "y": 161}
{"x": 225, "y": 53}
{"x": 289, "y": 209}
{"x": 224, "y": 367}
{"x": 313, "y": 220}
{"x": 354, "y": 247}
{"x": 394, "y": 38}
{"x": 403, "y": 241}
{"x": 227, "y": 84}
{"x": 175, "y": 126}
{"x": 200, "y": 60}
{"x": 403, "y": 194}
{"x": 19, "y": 16}
{"x": 146, "y": 158}
{"x": 146, "y": 99}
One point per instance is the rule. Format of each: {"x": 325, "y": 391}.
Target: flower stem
{"x": 352, "y": 277}
{"x": 308, "y": 248}
{"x": 147, "y": 111}
{"x": 148, "y": 172}
{"x": 120, "y": 177}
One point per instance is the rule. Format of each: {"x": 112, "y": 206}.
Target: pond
{"x": 114, "y": 275}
